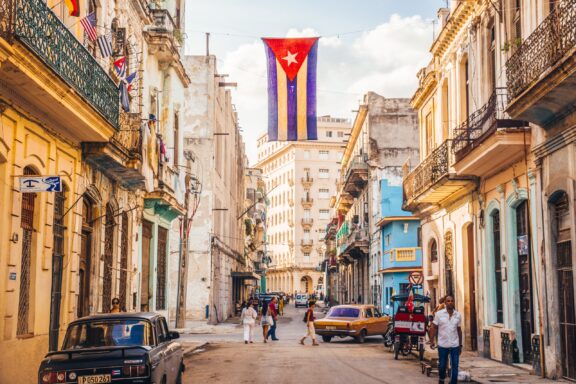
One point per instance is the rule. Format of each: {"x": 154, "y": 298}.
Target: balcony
{"x": 290, "y": 182}
{"x": 120, "y": 158}
{"x": 44, "y": 68}
{"x": 307, "y": 181}
{"x": 356, "y": 244}
{"x": 163, "y": 199}
{"x": 434, "y": 182}
{"x": 489, "y": 140}
{"x": 343, "y": 202}
{"x": 307, "y": 223}
{"x": 356, "y": 177}
{"x": 307, "y": 202}
{"x": 291, "y": 202}
{"x": 541, "y": 74}
{"x": 306, "y": 245}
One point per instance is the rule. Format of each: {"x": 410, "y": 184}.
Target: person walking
{"x": 281, "y": 306}
{"x": 446, "y": 325}
{"x": 264, "y": 321}
{"x": 273, "y": 313}
{"x": 309, "y": 319}
{"x": 248, "y": 318}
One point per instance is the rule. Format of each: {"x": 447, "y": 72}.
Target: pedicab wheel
{"x": 421, "y": 352}
{"x": 326, "y": 339}
{"x": 428, "y": 371}
{"x": 423, "y": 367}
{"x": 396, "y": 350}
{"x": 406, "y": 349}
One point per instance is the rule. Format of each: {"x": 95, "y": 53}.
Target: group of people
{"x": 267, "y": 317}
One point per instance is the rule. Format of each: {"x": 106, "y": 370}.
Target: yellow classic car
{"x": 356, "y": 321}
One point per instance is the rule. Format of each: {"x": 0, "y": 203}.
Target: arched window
{"x": 433, "y": 251}
{"x": 27, "y": 225}
{"x": 495, "y": 216}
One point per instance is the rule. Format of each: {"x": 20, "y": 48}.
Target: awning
{"x": 245, "y": 275}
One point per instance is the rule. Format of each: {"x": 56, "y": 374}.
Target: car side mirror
{"x": 173, "y": 335}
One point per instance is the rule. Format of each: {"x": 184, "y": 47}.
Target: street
{"x": 226, "y": 359}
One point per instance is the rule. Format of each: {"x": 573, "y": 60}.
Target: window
{"x": 433, "y": 251}
{"x": 323, "y": 173}
{"x": 306, "y": 235}
{"x": 306, "y": 256}
{"x": 324, "y": 214}
{"x": 429, "y": 133}
{"x": 387, "y": 240}
{"x": 306, "y": 155}
{"x": 404, "y": 288}
{"x": 324, "y": 193}
{"x": 406, "y": 226}
{"x": 328, "y": 133}
{"x": 306, "y": 213}
{"x": 340, "y": 134}
{"x": 176, "y": 155}
{"x": 497, "y": 265}
{"x": 323, "y": 155}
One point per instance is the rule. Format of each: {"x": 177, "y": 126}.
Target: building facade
{"x": 400, "y": 249}
{"x": 212, "y": 133}
{"x": 383, "y": 138}
{"x": 59, "y": 109}
{"x": 301, "y": 179}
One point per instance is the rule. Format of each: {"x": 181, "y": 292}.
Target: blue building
{"x": 401, "y": 254}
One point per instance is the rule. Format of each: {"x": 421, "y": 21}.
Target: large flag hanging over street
{"x": 292, "y": 88}
{"x": 73, "y": 7}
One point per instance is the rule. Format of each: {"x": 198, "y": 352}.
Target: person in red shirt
{"x": 272, "y": 312}
{"x": 310, "y": 331}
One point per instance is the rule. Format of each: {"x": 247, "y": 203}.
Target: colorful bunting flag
{"x": 292, "y": 88}
{"x": 120, "y": 67}
{"x": 89, "y": 25}
{"x": 73, "y": 7}
{"x": 105, "y": 45}
{"x": 129, "y": 79}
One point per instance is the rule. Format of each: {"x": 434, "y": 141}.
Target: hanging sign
{"x": 416, "y": 278}
{"x": 30, "y": 184}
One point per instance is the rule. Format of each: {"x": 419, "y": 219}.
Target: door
{"x": 472, "y": 287}
{"x": 525, "y": 280}
{"x": 145, "y": 294}
{"x": 84, "y": 269}
{"x": 565, "y": 275}
{"x": 369, "y": 321}
{"x": 161, "y": 269}
{"x": 381, "y": 325}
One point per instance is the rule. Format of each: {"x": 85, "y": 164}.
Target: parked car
{"x": 114, "y": 348}
{"x": 301, "y": 300}
{"x": 356, "y": 321}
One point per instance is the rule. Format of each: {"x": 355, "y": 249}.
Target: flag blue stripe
{"x": 292, "y": 101}
{"x": 272, "y": 96}
{"x": 311, "y": 94}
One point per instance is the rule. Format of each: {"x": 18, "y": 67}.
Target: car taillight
{"x": 135, "y": 370}
{"x": 51, "y": 377}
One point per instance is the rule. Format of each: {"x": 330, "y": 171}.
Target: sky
{"x": 365, "y": 45}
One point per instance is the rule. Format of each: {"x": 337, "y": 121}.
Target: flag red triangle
{"x": 291, "y": 53}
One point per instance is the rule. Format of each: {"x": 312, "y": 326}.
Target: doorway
{"x": 471, "y": 287}
{"x": 84, "y": 269}
{"x": 525, "y": 280}
{"x": 145, "y": 294}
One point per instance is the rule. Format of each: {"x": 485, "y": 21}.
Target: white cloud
{"x": 384, "y": 60}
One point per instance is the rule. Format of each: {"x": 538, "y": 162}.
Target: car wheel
{"x": 326, "y": 339}
{"x": 361, "y": 338}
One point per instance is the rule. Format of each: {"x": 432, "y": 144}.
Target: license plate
{"x": 94, "y": 379}
{"x": 330, "y": 328}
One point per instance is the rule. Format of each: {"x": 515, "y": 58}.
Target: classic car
{"x": 116, "y": 348}
{"x": 357, "y": 321}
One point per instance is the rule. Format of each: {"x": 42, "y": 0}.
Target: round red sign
{"x": 416, "y": 278}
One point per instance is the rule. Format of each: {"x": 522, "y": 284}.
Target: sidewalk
{"x": 488, "y": 371}
{"x": 201, "y": 327}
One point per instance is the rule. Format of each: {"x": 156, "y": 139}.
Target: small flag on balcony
{"x": 120, "y": 67}
{"x": 105, "y": 45}
{"x": 124, "y": 99}
{"x": 129, "y": 79}
{"x": 73, "y": 7}
{"x": 292, "y": 88}
{"x": 89, "y": 25}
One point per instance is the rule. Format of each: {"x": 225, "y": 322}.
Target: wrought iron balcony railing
{"x": 428, "y": 172}
{"x": 129, "y": 137}
{"x": 32, "y": 23}
{"x": 549, "y": 42}
{"x": 483, "y": 123}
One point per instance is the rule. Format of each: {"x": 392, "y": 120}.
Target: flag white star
{"x": 291, "y": 58}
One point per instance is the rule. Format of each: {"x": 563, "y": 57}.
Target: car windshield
{"x": 344, "y": 312}
{"x": 109, "y": 333}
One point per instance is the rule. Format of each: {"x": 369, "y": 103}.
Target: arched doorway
{"x": 306, "y": 284}
{"x": 108, "y": 259}
{"x": 84, "y": 269}
{"x": 470, "y": 287}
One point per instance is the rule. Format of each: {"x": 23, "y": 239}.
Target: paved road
{"x": 228, "y": 360}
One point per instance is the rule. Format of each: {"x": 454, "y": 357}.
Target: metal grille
{"x": 161, "y": 269}
{"x": 26, "y": 222}
{"x": 449, "y": 263}
{"x": 124, "y": 262}
{"x": 497, "y": 265}
{"x": 108, "y": 260}
{"x": 57, "y": 256}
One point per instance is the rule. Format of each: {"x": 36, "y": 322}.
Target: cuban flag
{"x": 120, "y": 67}
{"x": 292, "y": 88}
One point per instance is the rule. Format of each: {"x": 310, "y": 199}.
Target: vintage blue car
{"x": 116, "y": 348}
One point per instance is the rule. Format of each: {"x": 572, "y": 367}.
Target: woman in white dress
{"x": 248, "y": 318}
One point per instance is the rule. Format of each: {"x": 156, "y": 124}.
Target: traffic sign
{"x": 29, "y": 184}
{"x": 416, "y": 278}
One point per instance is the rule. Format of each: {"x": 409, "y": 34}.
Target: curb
{"x": 190, "y": 350}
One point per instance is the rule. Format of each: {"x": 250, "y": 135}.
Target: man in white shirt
{"x": 446, "y": 325}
